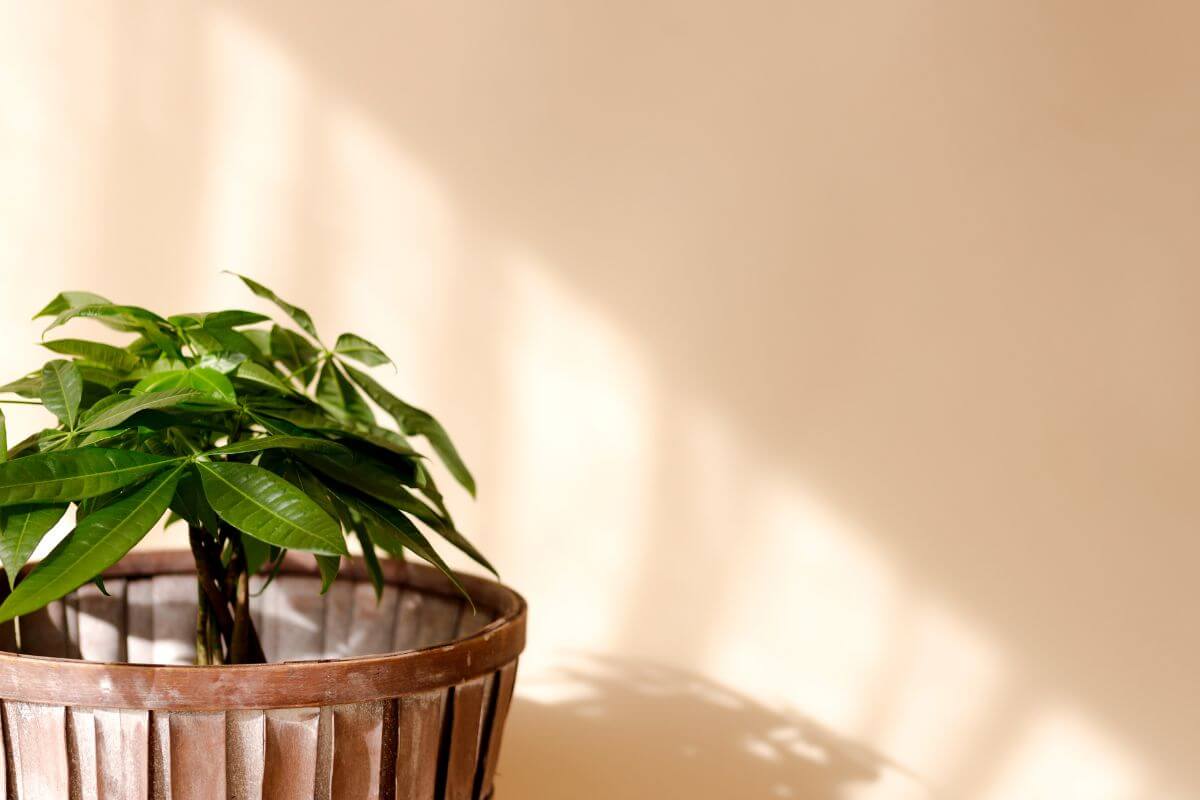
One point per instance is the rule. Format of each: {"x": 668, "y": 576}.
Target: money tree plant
{"x": 258, "y": 437}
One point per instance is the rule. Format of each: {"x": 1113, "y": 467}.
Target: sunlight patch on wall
{"x": 812, "y": 612}
{"x": 389, "y": 246}
{"x": 572, "y": 503}
{"x": 945, "y": 682}
{"x": 257, "y": 100}
{"x": 1062, "y": 753}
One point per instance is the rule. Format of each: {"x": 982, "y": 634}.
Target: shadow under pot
{"x": 401, "y": 698}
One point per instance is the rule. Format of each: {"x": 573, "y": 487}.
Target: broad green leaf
{"x": 22, "y": 528}
{"x": 217, "y": 319}
{"x": 257, "y": 553}
{"x": 113, "y": 414}
{"x": 62, "y": 389}
{"x": 259, "y": 340}
{"x": 340, "y": 397}
{"x": 294, "y": 352}
{"x": 371, "y": 560}
{"x": 29, "y": 386}
{"x": 261, "y": 377}
{"x": 415, "y": 422}
{"x": 74, "y": 474}
{"x": 103, "y": 378}
{"x": 98, "y": 542}
{"x": 298, "y": 315}
{"x": 212, "y": 384}
{"x": 353, "y": 346}
{"x": 329, "y": 566}
{"x": 170, "y": 380}
{"x": 269, "y": 508}
{"x": 105, "y": 355}
{"x": 223, "y": 363}
{"x": 224, "y": 340}
{"x": 395, "y": 533}
{"x": 368, "y": 476}
{"x": 118, "y": 317}
{"x": 279, "y": 443}
{"x": 191, "y": 504}
{"x": 68, "y": 300}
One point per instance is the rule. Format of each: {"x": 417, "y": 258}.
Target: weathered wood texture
{"x": 408, "y": 704}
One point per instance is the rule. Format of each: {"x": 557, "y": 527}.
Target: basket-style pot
{"x": 403, "y": 698}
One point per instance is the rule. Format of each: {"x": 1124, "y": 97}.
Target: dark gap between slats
{"x": 489, "y": 721}
{"x": 443, "y": 766}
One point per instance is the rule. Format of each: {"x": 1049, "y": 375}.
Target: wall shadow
{"x": 638, "y": 731}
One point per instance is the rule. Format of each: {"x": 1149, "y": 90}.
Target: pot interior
{"x": 152, "y": 619}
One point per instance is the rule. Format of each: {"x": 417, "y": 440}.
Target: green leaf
{"x": 3, "y": 437}
{"x": 371, "y": 560}
{"x": 111, "y": 415}
{"x": 191, "y": 504}
{"x": 165, "y": 381}
{"x": 257, "y": 553}
{"x": 29, "y": 386}
{"x": 74, "y": 474}
{"x": 269, "y": 508}
{"x": 22, "y": 528}
{"x": 217, "y": 319}
{"x": 212, "y": 384}
{"x": 62, "y": 389}
{"x": 329, "y": 566}
{"x": 415, "y": 422}
{"x": 122, "y": 318}
{"x": 338, "y": 396}
{"x": 105, "y": 355}
{"x": 279, "y": 443}
{"x": 396, "y": 533}
{"x": 261, "y": 377}
{"x": 223, "y": 363}
{"x": 353, "y": 346}
{"x": 294, "y": 352}
{"x": 298, "y": 315}
{"x": 67, "y": 300}
{"x": 97, "y": 543}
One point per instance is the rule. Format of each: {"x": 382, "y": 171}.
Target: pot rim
{"x": 289, "y": 684}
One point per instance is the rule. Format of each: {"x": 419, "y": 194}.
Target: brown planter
{"x": 409, "y": 702}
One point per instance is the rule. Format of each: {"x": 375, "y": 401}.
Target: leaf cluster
{"x": 256, "y": 434}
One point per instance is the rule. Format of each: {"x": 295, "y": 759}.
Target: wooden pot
{"x": 405, "y": 698}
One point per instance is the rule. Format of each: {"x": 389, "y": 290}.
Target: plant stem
{"x": 219, "y": 587}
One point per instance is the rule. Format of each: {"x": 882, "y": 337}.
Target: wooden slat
{"x": 160, "y": 755}
{"x": 174, "y": 619}
{"x": 289, "y": 771}
{"x": 245, "y": 742}
{"x": 357, "y": 750}
{"x": 71, "y": 626}
{"x": 81, "y": 754}
{"x": 339, "y": 611}
{"x": 464, "y": 738}
{"x": 407, "y": 628}
{"x": 323, "y": 781}
{"x": 371, "y": 622}
{"x": 439, "y": 621}
{"x": 122, "y": 753}
{"x": 139, "y": 621}
{"x": 101, "y": 621}
{"x": 294, "y": 611}
{"x": 197, "y": 755}
{"x": 44, "y": 632}
{"x": 420, "y": 728}
{"x": 38, "y": 736}
{"x": 504, "y": 688}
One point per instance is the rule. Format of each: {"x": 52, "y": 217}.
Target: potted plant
{"x": 312, "y": 674}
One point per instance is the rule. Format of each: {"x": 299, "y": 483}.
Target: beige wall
{"x": 830, "y": 369}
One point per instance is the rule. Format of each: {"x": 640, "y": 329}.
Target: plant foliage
{"x": 258, "y": 436}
